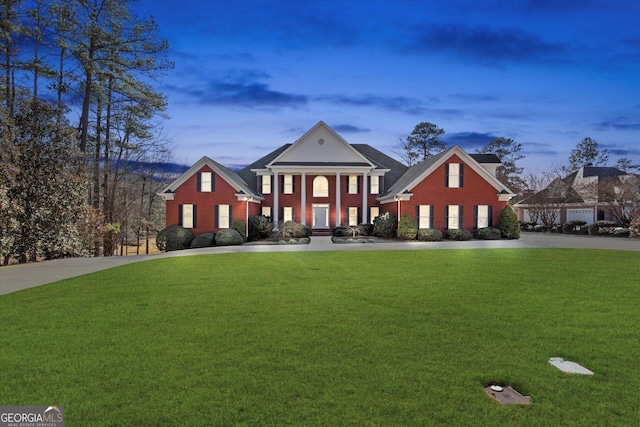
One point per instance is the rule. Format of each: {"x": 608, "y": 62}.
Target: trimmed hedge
{"x": 173, "y": 238}
{"x": 429, "y": 235}
{"x": 228, "y": 237}
{"x": 460, "y": 235}
{"x": 488, "y": 233}
{"x": 203, "y": 241}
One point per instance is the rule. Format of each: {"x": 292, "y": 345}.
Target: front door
{"x": 320, "y": 216}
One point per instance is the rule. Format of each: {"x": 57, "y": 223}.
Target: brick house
{"x": 322, "y": 181}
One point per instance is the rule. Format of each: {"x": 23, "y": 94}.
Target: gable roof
{"x": 574, "y": 185}
{"x": 328, "y": 150}
{"x": 418, "y": 172}
{"x": 231, "y": 177}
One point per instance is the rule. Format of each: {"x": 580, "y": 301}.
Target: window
{"x": 266, "y": 211}
{"x": 425, "y": 220}
{"x": 287, "y": 184}
{"x": 374, "y": 184}
{"x": 205, "y": 182}
{"x": 482, "y": 216}
{"x": 223, "y": 216}
{"x": 352, "y": 184}
{"x": 374, "y": 212}
{"x": 454, "y": 217}
{"x": 320, "y": 187}
{"x": 353, "y": 216}
{"x": 187, "y": 216}
{"x": 266, "y": 184}
{"x": 287, "y": 213}
{"x": 454, "y": 175}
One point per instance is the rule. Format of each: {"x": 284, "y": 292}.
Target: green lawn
{"x": 365, "y": 338}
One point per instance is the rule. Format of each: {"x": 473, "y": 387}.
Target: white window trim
{"x": 353, "y": 184}
{"x": 287, "y": 213}
{"x": 374, "y": 184}
{"x": 353, "y": 215}
{"x": 454, "y": 217}
{"x": 187, "y": 215}
{"x": 320, "y": 186}
{"x": 205, "y": 182}
{"x": 223, "y": 216}
{"x": 287, "y": 188}
{"x": 374, "y": 211}
{"x": 454, "y": 175}
{"x": 424, "y": 216}
{"x": 482, "y": 221}
{"x": 266, "y": 184}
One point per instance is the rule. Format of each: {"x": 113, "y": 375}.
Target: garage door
{"x": 585, "y": 215}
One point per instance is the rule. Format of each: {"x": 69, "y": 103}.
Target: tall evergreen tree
{"x": 586, "y": 153}
{"x": 508, "y": 151}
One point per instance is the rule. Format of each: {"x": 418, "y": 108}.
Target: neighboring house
{"x": 584, "y": 195}
{"x": 322, "y": 181}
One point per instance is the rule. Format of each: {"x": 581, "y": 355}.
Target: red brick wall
{"x": 432, "y": 191}
{"x": 223, "y": 194}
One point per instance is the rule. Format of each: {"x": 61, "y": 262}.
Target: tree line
{"x": 80, "y": 127}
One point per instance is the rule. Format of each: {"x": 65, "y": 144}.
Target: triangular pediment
{"x": 320, "y": 144}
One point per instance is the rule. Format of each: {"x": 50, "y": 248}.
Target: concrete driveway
{"x": 18, "y": 277}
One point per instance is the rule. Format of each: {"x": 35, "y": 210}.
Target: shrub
{"x": 429, "y": 235}
{"x": 202, "y": 241}
{"x": 621, "y": 232}
{"x": 634, "y": 227}
{"x": 238, "y": 225}
{"x": 407, "y": 228}
{"x": 508, "y": 225}
{"x": 340, "y": 231}
{"x": 385, "y": 225}
{"x": 290, "y": 229}
{"x": 599, "y": 228}
{"x": 259, "y": 227}
{"x": 173, "y": 238}
{"x": 488, "y": 233}
{"x": 228, "y": 237}
{"x": 572, "y": 227}
{"x": 365, "y": 229}
{"x": 459, "y": 234}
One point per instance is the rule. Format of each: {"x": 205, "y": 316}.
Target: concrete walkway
{"x": 18, "y": 277}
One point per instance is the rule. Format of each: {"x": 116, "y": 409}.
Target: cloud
{"x": 240, "y": 88}
{"x": 471, "y": 97}
{"x": 469, "y": 140}
{"x": 487, "y": 45}
{"x": 394, "y": 103}
{"x": 346, "y": 128}
{"x": 619, "y": 123}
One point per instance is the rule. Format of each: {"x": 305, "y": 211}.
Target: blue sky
{"x": 252, "y": 75}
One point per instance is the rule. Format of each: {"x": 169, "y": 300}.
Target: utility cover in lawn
{"x": 569, "y": 367}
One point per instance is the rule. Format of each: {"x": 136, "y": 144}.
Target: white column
{"x": 303, "y": 200}
{"x": 338, "y": 188}
{"x": 276, "y": 192}
{"x": 365, "y": 191}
